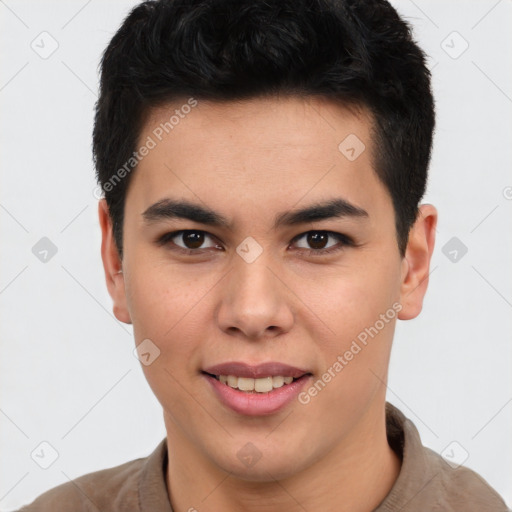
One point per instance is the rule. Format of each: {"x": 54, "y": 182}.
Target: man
{"x": 263, "y": 164}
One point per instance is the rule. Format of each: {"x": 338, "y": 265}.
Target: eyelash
{"x": 344, "y": 240}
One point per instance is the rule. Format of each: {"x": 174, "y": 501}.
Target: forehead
{"x": 273, "y": 122}
{"x": 270, "y": 151}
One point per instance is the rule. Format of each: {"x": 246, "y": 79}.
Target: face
{"x": 254, "y": 247}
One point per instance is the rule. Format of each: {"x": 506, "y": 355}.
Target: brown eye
{"x": 317, "y": 240}
{"x": 193, "y": 239}
{"x": 322, "y": 242}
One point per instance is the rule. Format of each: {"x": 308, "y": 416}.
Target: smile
{"x": 255, "y": 390}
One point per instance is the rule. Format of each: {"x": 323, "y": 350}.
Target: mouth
{"x": 255, "y": 390}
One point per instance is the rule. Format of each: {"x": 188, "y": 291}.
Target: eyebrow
{"x": 169, "y": 209}
{"x": 334, "y": 208}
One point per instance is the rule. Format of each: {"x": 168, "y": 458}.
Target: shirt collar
{"x": 416, "y": 473}
{"x": 153, "y": 495}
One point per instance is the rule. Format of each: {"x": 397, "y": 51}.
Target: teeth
{"x": 262, "y": 385}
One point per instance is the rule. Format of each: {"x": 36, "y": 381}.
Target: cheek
{"x": 167, "y": 309}
{"x": 161, "y": 295}
{"x": 172, "y": 306}
{"x": 155, "y": 307}
{"x": 360, "y": 308}
{"x": 352, "y": 299}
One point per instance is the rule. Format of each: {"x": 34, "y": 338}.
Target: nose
{"x": 254, "y": 301}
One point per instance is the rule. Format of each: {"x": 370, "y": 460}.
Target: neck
{"x": 354, "y": 476}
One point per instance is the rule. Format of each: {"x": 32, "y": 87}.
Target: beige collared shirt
{"x": 426, "y": 482}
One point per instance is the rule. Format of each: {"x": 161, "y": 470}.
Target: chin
{"x": 261, "y": 473}
{"x": 253, "y": 465}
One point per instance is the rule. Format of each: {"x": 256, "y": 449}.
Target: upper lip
{"x": 268, "y": 369}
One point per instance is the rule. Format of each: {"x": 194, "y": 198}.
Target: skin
{"x": 251, "y": 161}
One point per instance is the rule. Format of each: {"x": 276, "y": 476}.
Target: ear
{"x": 416, "y": 262}
{"x": 112, "y": 264}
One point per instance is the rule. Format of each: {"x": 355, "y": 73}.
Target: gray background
{"x": 67, "y": 372}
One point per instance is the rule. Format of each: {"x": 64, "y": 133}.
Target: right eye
{"x": 188, "y": 240}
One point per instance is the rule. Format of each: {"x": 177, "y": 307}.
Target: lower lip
{"x": 257, "y": 404}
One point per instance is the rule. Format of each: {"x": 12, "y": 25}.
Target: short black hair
{"x": 357, "y": 52}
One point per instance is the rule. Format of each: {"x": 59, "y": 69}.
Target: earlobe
{"x": 416, "y": 262}
{"x": 114, "y": 276}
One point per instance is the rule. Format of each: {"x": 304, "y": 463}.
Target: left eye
{"x": 321, "y": 240}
